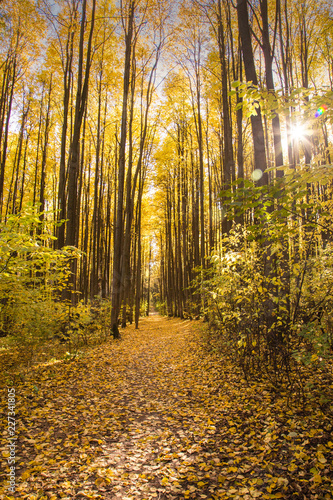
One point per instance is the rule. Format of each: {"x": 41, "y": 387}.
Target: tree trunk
{"x": 268, "y": 55}
{"x": 67, "y": 79}
{"x": 8, "y": 103}
{"x": 228, "y": 164}
{"x": 44, "y": 153}
{"x": 119, "y": 220}
{"x": 260, "y": 162}
{"x": 74, "y": 154}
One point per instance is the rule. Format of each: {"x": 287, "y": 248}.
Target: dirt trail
{"x": 166, "y": 418}
{"x": 130, "y": 421}
{"x": 159, "y": 402}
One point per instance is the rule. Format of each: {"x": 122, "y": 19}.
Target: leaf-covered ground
{"x": 157, "y": 415}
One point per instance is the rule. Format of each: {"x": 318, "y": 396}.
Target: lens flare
{"x": 320, "y": 111}
{"x": 256, "y": 174}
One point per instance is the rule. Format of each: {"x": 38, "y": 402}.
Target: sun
{"x": 298, "y": 132}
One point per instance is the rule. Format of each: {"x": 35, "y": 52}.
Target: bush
{"x": 32, "y": 275}
{"x": 269, "y": 285}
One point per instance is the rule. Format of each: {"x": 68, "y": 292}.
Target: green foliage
{"x": 85, "y": 325}
{"x": 269, "y": 285}
{"x": 308, "y": 100}
{"x": 143, "y": 307}
{"x": 32, "y": 275}
{"x": 162, "y": 308}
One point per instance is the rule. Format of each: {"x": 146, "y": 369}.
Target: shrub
{"x": 32, "y": 275}
{"x": 269, "y": 288}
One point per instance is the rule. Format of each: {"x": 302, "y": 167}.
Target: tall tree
{"x": 74, "y": 153}
{"x": 128, "y": 22}
{"x": 268, "y": 49}
{"x": 260, "y": 161}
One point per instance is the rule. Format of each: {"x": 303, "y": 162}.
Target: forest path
{"x": 134, "y": 420}
{"x": 161, "y": 409}
{"x": 155, "y": 415}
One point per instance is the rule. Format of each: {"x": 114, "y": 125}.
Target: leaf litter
{"x": 158, "y": 415}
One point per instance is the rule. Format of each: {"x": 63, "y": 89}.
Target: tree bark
{"x": 67, "y": 81}
{"x": 74, "y": 154}
{"x": 268, "y": 51}
{"x": 119, "y": 220}
{"x": 260, "y": 161}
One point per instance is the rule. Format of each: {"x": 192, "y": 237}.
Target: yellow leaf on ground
{"x": 321, "y": 458}
{"x": 100, "y": 481}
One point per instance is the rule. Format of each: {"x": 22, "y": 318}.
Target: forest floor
{"x": 161, "y": 415}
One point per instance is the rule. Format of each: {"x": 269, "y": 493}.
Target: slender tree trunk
{"x": 268, "y": 55}
{"x": 44, "y": 153}
{"x": 240, "y": 153}
{"x": 139, "y": 264}
{"x": 305, "y": 77}
{"x": 260, "y": 162}
{"x": 129, "y": 208}
{"x": 149, "y": 277}
{"x": 96, "y": 212}
{"x": 18, "y": 156}
{"x": 20, "y": 207}
{"x": 228, "y": 164}
{"x": 119, "y": 220}
{"x": 38, "y": 146}
{"x": 3, "y": 151}
{"x": 74, "y": 154}
{"x": 67, "y": 79}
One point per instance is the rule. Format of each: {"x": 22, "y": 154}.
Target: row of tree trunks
{"x": 94, "y": 175}
{"x": 9, "y": 77}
